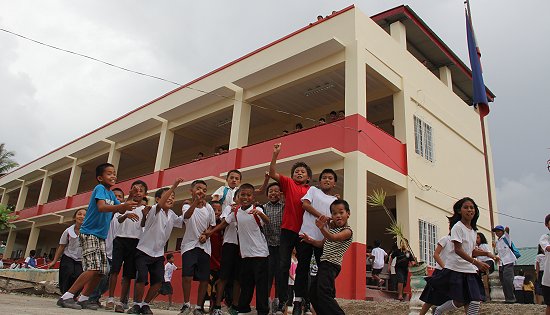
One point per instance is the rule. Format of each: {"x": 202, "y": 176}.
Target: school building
{"x": 407, "y": 129}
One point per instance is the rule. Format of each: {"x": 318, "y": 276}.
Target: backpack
{"x": 225, "y": 190}
{"x": 513, "y": 248}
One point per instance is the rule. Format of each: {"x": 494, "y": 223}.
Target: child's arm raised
{"x": 322, "y": 223}
{"x": 102, "y": 206}
{"x": 262, "y": 188}
{"x": 192, "y": 207}
{"x": 164, "y": 197}
{"x": 272, "y": 170}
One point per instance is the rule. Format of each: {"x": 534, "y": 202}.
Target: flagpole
{"x": 484, "y": 138}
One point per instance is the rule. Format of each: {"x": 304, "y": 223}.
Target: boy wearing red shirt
{"x": 293, "y": 189}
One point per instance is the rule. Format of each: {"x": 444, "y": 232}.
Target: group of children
{"x": 243, "y": 246}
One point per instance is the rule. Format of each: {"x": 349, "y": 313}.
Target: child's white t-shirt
{"x": 446, "y": 251}
{"x": 541, "y": 260}
{"x": 545, "y": 242}
{"x": 252, "y": 242}
{"x": 321, "y": 202}
{"x": 70, "y": 239}
{"x": 113, "y": 229}
{"x": 379, "y": 255}
{"x": 230, "y": 232}
{"x": 518, "y": 282}
{"x": 169, "y": 269}
{"x": 467, "y": 237}
{"x": 129, "y": 228}
{"x": 228, "y": 196}
{"x": 201, "y": 219}
{"x": 157, "y": 230}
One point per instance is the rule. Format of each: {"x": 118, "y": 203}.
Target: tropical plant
{"x": 6, "y": 216}
{"x": 377, "y": 199}
{"x": 6, "y": 161}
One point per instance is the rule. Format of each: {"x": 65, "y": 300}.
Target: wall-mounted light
{"x": 318, "y": 89}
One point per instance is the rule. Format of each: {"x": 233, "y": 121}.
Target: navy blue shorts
{"x": 196, "y": 264}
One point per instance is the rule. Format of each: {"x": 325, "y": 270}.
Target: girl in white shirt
{"x": 459, "y": 277}
{"x": 70, "y": 266}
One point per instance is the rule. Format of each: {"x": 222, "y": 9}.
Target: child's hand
{"x": 145, "y": 210}
{"x": 202, "y": 239}
{"x": 266, "y": 175}
{"x": 305, "y": 238}
{"x": 129, "y": 205}
{"x": 132, "y": 216}
{"x": 51, "y": 264}
{"x": 178, "y": 181}
{"x": 254, "y": 211}
{"x": 337, "y": 196}
{"x": 321, "y": 221}
{"x": 276, "y": 148}
{"x": 481, "y": 265}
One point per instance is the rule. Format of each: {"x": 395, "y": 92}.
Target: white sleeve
{"x": 310, "y": 194}
{"x": 230, "y": 218}
{"x": 457, "y": 234}
{"x": 212, "y": 215}
{"x": 178, "y": 221}
{"x": 64, "y": 240}
{"x": 544, "y": 242}
{"x": 27, "y": 260}
{"x": 183, "y": 210}
{"x": 262, "y": 211}
{"x": 219, "y": 192}
{"x": 226, "y": 212}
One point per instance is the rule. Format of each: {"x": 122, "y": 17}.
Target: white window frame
{"x": 427, "y": 233}
{"x": 423, "y": 139}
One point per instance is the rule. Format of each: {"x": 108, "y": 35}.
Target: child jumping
{"x": 92, "y": 236}
{"x": 338, "y": 237}
{"x": 293, "y": 189}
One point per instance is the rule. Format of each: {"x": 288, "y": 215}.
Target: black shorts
{"x": 196, "y": 264}
{"x": 166, "y": 288}
{"x": 124, "y": 251}
{"x": 546, "y": 294}
{"x": 402, "y": 274}
{"x": 154, "y": 266}
{"x": 376, "y": 271}
{"x": 231, "y": 260}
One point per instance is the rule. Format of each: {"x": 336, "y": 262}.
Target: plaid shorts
{"x": 94, "y": 255}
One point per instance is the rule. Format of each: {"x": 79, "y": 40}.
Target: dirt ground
{"x": 37, "y": 305}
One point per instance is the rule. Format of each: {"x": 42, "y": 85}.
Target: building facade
{"x": 406, "y": 128}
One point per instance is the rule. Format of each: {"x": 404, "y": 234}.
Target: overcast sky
{"x": 48, "y": 98}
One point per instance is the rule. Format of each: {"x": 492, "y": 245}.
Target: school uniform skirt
{"x": 538, "y": 283}
{"x": 432, "y": 296}
{"x": 458, "y": 286}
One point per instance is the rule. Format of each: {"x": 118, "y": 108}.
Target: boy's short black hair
{"x": 215, "y": 202}
{"x": 340, "y": 202}
{"x": 198, "y": 181}
{"x": 118, "y": 189}
{"x": 169, "y": 256}
{"x": 101, "y": 168}
{"x": 234, "y": 171}
{"x": 158, "y": 193}
{"x": 140, "y": 182}
{"x": 246, "y": 186}
{"x": 271, "y": 185}
{"x": 333, "y": 112}
{"x": 304, "y": 165}
{"x": 328, "y": 171}
{"x": 377, "y": 243}
{"x": 32, "y": 253}
{"x": 547, "y": 219}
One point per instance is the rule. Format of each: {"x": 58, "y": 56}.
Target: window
{"x": 428, "y": 241}
{"x": 423, "y": 136}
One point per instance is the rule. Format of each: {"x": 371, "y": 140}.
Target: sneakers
{"x": 109, "y": 306}
{"x": 217, "y": 311}
{"x": 125, "y": 305}
{"x": 88, "y": 305}
{"x": 307, "y": 310}
{"x": 133, "y": 310}
{"x": 185, "y": 310}
{"x": 297, "y": 308}
{"x": 68, "y": 303}
{"x": 198, "y": 312}
{"x": 232, "y": 311}
{"x": 119, "y": 308}
{"x": 273, "y": 306}
{"x": 145, "y": 309}
{"x": 280, "y": 308}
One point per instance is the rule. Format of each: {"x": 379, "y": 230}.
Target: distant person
{"x": 528, "y": 290}
{"x": 30, "y": 262}
{"x": 298, "y": 127}
{"x": 1, "y": 261}
{"x": 378, "y": 263}
{"x": 506, "y": 264}
{"x": 341, "y": 114}
{"x": 403, "y": 258}
{"x": 518, "y": 286}
{"x": 333, "y": 116}
{"x": 322, "y": 121}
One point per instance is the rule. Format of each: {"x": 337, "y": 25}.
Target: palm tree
{"x": 6, "y": 161}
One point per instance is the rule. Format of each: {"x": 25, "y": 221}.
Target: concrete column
{"x": 356, "y": 81}
{"x": 5, "y": 197}
{"x": 445, "y": 77}
{"x": 240, "y": 122}
{"x": 33, "y": 240}
{"x": 355, "y": 193}
{"x": 403, "y": 207}
{"x": 74, "y": 179}
{"x": 164, "y": 149}
{"x": 22, "y": 196}
{"x": 10, "y": 243}
{"x": 45, "y": 190}
{"x": 398, "y": 32}
{"x": 114, "y": 156}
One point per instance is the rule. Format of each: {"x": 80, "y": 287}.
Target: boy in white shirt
{"x": 166, "y": 288}
{"x": 124, "y": 248}
{"x": 199, "y": 217}
{"x": 544, "y": 242}
{"x": 316, "y": 203}
{"x": 254, "y": 251}
{"x": 157, "y": 223}
{"x": 378, "y": 263}
{"x": 506, "y": 263}
{"x": 225, "y": 194}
